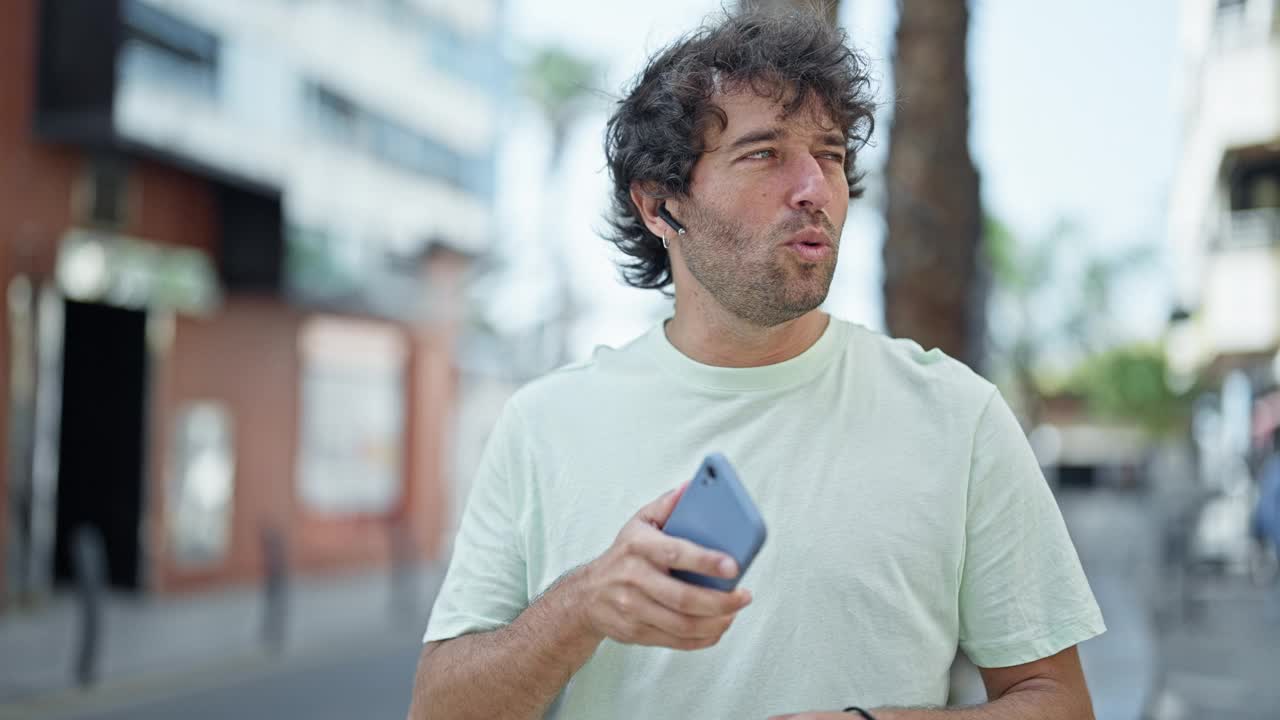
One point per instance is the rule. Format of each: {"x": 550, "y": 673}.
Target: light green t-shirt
{"x": 906, "y": 516}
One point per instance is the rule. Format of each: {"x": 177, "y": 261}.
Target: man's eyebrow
{"x": 756, "y": 136}
{"x": 833, "y": 140}
{"x": 773, "y": 133}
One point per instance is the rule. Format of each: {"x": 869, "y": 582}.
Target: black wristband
{"x": 865, "y": 715}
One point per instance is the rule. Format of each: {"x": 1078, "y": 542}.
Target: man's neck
{"x": 723, "y": 340}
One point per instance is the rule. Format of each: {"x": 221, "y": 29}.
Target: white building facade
{"x": 374, "y": 119}
{"x": 1224, "y": 220}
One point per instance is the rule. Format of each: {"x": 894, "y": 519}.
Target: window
{"x": 103, "y": 196}
{"x": 200, "y": 499}
{"x": 1239, "y": 23}
{"x": 340, "y": 119}
{"x": 335, "y": 116}
{"x": 1254, "y": 191}
{"x": 473, "y": 59}
{"x": 1256, "y": 185}
{"x": 160, "y": 48}
{"x": 351, "y": 444}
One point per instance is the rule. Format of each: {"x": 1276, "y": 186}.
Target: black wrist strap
{"x": 865, "y": 715}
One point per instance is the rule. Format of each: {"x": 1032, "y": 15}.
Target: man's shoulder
{"x": 904, "y": 363}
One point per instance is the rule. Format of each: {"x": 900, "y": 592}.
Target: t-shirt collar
{"x": 794, "y": 371}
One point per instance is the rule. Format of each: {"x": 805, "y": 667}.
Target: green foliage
{"x": 558, "y": 81}
{"x": 1052, "y": 308}
{"x": 1018, "y": 269}
{"x": 1128, "y": 384}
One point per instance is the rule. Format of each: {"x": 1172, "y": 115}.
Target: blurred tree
{"x": 1020, "y": 275}
{"x": 1050, "y": 302}
{"x": 1128, "y": 384}
{"x": 561, "y": 85}
{"x": 933, "y": 291}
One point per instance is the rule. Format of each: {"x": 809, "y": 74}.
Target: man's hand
{"x": 629, "y": 595}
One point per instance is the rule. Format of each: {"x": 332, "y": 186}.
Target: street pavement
{"x": 1222, "y": 656}
{"x": 1117, "y": 540}
{"x": 1209, "y": 648}
{"x": 374, "y": 683}
{"x": 197, "y": 649}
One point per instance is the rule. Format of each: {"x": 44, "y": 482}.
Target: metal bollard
{"x": 88, "y": 559}
{"x": 402, "y": 579}
{"x": 275, "y": 586}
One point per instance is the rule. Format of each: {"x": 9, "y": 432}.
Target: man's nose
{"x": 808, "y": 185}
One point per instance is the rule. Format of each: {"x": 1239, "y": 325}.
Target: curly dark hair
{"x": 655, "y": 136}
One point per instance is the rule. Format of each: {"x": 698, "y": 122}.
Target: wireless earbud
{"x": 666, "y": 217}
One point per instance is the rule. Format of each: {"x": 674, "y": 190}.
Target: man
{"x": 907, "y": 517}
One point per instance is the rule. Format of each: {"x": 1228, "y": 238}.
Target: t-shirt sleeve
{"x": 485, "y": 586}
{"x": 1023, "y": 594}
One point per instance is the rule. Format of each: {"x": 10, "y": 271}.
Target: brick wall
{"x": 35, "y": 187}
{"x": 246, "y": 357}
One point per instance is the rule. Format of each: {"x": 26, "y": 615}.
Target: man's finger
{"x": 684, "y": 627}
{"x": 657, "y": 512}
{"x": 657, "y": 637}
{"x": 673, "y": 553}
{"x": 690, "y": 599}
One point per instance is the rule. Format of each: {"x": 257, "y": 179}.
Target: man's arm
{"x": 627, "y": 594}
{"x": 511, "y": 672}
{"x": 1050, "y": 689}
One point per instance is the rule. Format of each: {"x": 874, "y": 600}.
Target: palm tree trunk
{"x": 933, "y": 291}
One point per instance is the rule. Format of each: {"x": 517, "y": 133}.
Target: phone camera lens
{"x": 711, "y": 471}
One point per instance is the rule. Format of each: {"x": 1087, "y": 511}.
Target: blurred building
{"x": 234, "y": 234}
{"x": 1225, "y": 230}
{"x": 1225, "y": 205}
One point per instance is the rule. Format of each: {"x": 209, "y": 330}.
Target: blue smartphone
{"x": 716, "y": 512}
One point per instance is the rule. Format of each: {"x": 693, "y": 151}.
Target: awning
{"x": 112, "y": 269}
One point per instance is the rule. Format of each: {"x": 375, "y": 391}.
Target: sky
{"x": 1072, "y": 119}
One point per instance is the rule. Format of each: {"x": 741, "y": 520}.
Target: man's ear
{"x": 647, "y": 199}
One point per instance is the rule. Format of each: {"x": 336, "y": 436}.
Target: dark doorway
{"x": 1083, "y": 476}
{"x": 100, "y": 451}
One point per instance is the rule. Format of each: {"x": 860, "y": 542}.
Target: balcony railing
{"x": 1241, "y": 23}
{"x": 1252, "y": 228}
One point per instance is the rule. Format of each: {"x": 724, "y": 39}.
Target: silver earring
{"x": 666, "y": 244}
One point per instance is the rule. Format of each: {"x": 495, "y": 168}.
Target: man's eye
{"x": 833, "y": 156}
{"x": 760, "y": 154}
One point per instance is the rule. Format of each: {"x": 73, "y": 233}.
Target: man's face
{"x": 766, "y": 205}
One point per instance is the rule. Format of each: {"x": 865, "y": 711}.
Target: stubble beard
{"x": 751, "y": 276}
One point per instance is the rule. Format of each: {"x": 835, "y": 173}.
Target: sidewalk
{"x": 1115, "y": 537}
{"x": 160, "y": 636}
{"x": 1222, "y": 659}
{"x": 1213, "y": 652}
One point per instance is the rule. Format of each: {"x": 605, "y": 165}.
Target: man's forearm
{"x": 1035, "y": 701}
{"x": 512, "y": 673}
